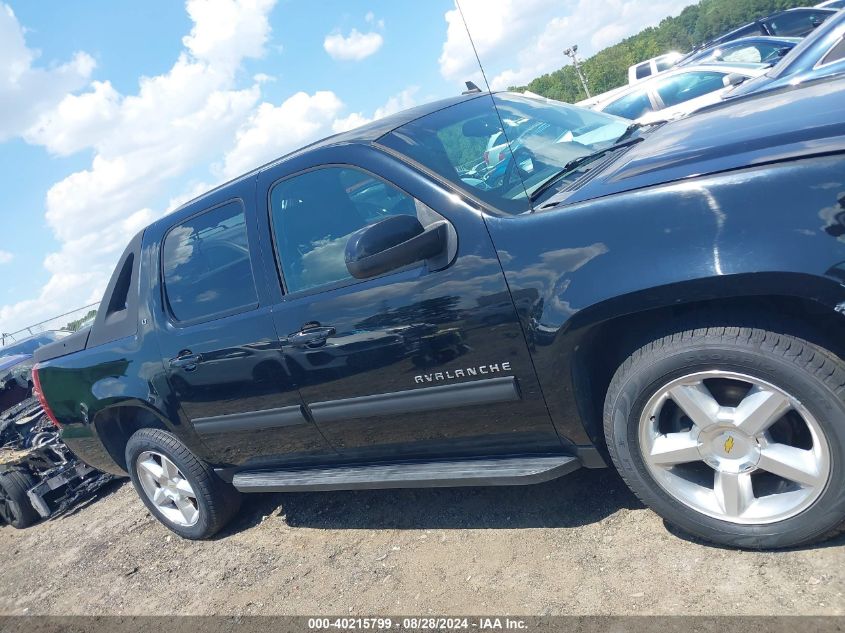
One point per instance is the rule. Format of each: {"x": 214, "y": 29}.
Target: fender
{"x": 776, "y": 230}
{"x": 89, "y": 386}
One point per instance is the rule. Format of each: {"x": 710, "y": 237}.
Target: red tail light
{"x": 36, "y": 389}
{"x": 502, "y": 155}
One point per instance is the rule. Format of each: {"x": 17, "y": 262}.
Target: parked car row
{"x": 822, "y": 54}
{"x": 679, "y": 91}
{"x": 732, "y": 66}
{"x": 760, "y": 41}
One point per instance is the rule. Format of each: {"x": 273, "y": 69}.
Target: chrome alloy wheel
{"x": 167, "y": 488}
{"x": 734, "y": 447}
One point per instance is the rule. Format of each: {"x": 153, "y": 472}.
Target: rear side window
{"x": 643, "y": 70}
{"x": 632, "y": 106}
{"x": 206, "y": 265}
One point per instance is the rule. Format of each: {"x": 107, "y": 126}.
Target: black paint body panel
{"x": 732, "y": 203}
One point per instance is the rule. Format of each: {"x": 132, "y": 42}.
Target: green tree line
{"x": 608, "y": 69}
{"x": 73, "y": 326}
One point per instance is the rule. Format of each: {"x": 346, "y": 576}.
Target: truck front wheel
{"x": 735, "y": 434}
{"x": 179, "y": 489}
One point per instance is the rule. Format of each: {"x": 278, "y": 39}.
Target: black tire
{"x": 216, "y": 500}
{"x": 813, "y": 375}
{"x": 17, "y": 509}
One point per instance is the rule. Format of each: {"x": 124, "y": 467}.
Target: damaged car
{"x": 39, "y": 475}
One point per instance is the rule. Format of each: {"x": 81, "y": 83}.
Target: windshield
{"x": 28, "y": 346}
{"x": 502, "y": 157}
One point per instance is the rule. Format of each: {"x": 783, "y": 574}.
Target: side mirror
{"x": 393, "y": 243}
{"x": 733, "y": 80}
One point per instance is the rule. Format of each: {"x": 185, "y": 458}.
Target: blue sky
{"x": 112, "y": 113}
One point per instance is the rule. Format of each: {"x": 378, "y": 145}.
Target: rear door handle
{"x": 312, "y": 336}
{"x": 186, "y": 361}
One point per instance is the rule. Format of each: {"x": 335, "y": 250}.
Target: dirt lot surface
{"x": 579, "y": 545}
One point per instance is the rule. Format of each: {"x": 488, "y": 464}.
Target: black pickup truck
{"x": 390, "y": 307}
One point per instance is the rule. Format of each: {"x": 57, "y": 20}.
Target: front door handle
{"x": 312, "y": 336}
{"x": 187, "y": 361}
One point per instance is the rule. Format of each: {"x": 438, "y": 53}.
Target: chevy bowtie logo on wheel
{"x": 729, "y": 444}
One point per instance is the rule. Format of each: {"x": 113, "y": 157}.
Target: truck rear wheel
{"x": 15, "y": 506}
{"x": 735, "y": 434}
{"x": 179, "y": 489}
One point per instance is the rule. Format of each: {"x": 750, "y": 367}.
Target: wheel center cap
{"x": 728, "y": 449}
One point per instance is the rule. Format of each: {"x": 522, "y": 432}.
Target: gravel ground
{"x": 579, "y": 545}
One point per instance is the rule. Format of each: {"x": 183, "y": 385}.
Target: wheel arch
{"x": 599, "y": 340}
{"x": 116, "y": 424}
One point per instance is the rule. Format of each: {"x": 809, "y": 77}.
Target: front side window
{"x": 643, "y": 70}
{"x": 206, "y": 265}
{"x": 687, "y": 86}
{"x": 501, "y": 153}
{"x": 316, "y": 212}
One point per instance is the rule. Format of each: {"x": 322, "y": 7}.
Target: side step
{"x": 506, "y": 471}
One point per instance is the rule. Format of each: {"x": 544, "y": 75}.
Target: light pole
{"x": 572, "y": 52}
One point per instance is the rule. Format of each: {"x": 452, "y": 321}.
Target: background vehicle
{"x": 798, "y": 22}
{"x": 832, "y": 4}
{"x": 677, "y": 92}
{"x": 16, "y": 367}
{"x": 614, "y": 297}
{"x": 39, "y": 476}
{"x": 653, "y": 66}
{"x": 753, "y": 50}
{"x": 821, "y": 54}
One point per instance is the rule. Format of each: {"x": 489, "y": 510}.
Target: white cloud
{"x": 370, "y": 18}
{"x": 227, "y": 31}
{"x": 79, "y": 121}
{"x": 350, "y": 122}
{"x": 275, "y": 130}
{"x": 355, "y": 46}
{"x": 305, "y": 118}
{"x": 26, "y": 91}
{"x": 6, "y": 257}
{"x": 519, "y": 40}
{"x": 398, "y": 102}
{"x": 143, "y": 144}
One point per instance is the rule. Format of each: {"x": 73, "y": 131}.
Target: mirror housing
{"x": 734, "y": 79}
{"x": 393, "y": 243}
